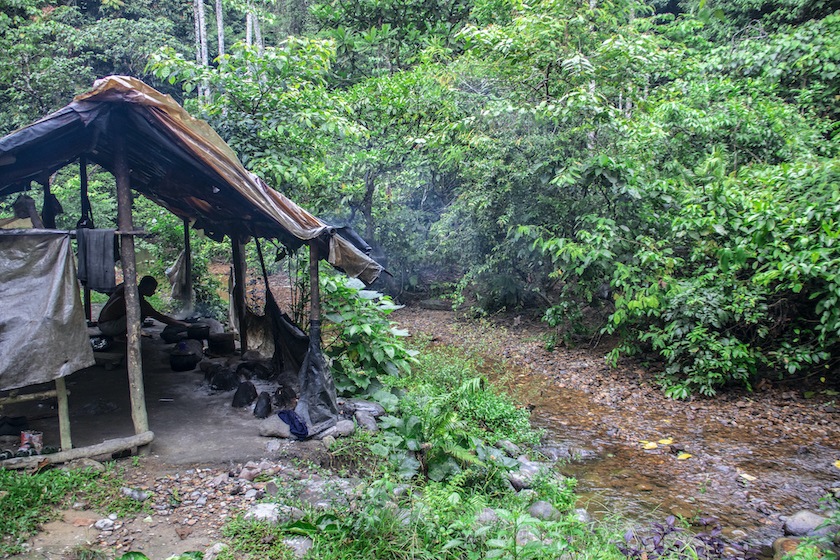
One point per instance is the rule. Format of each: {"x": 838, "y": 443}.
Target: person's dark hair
{"x": 147, "y": 282}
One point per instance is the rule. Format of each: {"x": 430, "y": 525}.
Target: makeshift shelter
{"x": 154, "y": 147}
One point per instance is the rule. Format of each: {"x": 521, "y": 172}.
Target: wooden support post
{"x": 239, "y": 288}
{"x": 129, "y": 267}
{"x": 314, "y": 286}
{"x": 63, "y": 415}
{"x": 188, "y": 300}
{"x": 47, "y": 208}
{"x": 85, "y": 204}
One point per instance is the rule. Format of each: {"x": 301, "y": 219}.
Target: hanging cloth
{"x": 96, "y": 259}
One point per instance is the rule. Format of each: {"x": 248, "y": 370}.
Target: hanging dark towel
{"x": 96, "y": 259}
{"x": 296, "y": 425}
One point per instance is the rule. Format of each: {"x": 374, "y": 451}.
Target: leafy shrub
{"x": 362, "y": 341}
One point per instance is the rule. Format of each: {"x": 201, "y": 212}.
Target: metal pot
{"x": 198, "y": 331}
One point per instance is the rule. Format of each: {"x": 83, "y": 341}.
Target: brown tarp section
{"x": 175, "y": 160}
{"x": 43, "y": 331}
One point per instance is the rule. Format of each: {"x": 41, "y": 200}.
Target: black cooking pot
{"x": 198, "y": 331}
{"x": 173, "y": 333}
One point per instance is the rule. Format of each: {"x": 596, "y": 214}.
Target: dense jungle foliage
{"x": 674, "y": 165}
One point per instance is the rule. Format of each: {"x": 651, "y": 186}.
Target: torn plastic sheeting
{"x": 317, "y": 400}
{"x": 43, "y": 331}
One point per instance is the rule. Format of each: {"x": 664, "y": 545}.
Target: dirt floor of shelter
{"x": 192, "y": 424}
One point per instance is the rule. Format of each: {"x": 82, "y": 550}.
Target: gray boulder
{"x": 274, "y": 427}
{"x": 366, "y": 421}
{"x": 804, "y": 523}
{"x": 545, "y": 511}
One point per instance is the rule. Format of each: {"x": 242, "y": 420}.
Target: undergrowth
{"x": 27, "y": 501}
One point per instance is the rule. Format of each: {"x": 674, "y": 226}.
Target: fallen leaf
{"x": 666, "y": 441}
{"x": 651, "y": 445}
{"x": 837, "y": 463}
{"x": 683, "y": 456}
{"x": 748, "y": 477}
{"x": 83, "y": 522}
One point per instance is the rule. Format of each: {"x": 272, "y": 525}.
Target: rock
{"x": 299, "y": 545}
{"x": 582, "y": 515}
{"x": 784, "y": 546}
{"x": 252, "y": 493}
{"x": 345, "y": 428}
{"x": 274, "y": 427}
{"x": 373, "y": 408}
{"x": 263, "y": 407}
{"x": 366, "y": 421}
{"x": 245, "y": 394}
{"x": 214, "y": 551}
{"x": 252, "y": 356}
{"x": 138, "y": 495}
{"x": 331, "y": 432}
{"x": 508, "y": 447}
{"x": 104, "y": 524}
{"x": 328, "y": 441}
{"x": 249, "y": 474}
{"x": 523, "y": 478}
{"x": 273, "y": 513}
{"x": 202, "y": 501}
{"x": 486, "y": 516}
{"x": 271, "y": 488}
{"x": 804, "y": 523}
{"x": 544, "y": 510}
{"x": 273, "y": 446}
{"x": 219, "y": 480}
{"x": 525, "y": 535}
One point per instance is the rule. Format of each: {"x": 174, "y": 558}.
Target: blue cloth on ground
{"x": 297, "y": 426}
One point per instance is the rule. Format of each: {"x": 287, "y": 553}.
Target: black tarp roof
{"x": 175, "y": 160}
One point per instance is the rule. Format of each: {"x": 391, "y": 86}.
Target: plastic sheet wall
{"x": 43, "y": 331}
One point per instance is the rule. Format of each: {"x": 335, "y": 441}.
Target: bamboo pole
{"x": 132, "y": 298}
{"x": 239, "y": 289}
{"x": 63, "y": 414}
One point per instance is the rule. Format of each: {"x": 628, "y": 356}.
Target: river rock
{"x": 486, "y": 516}
{"x": 104, "y": 524}
{"x": 299, "y": 545}
{"x": 805, "y": 523}
{"x": 366, "y": 421}
{"x": 134, "y": 494}
{"x": 274, "y": 427}
{"x": 345, "y": 427}
{"x": 273, "y": 513}
{"x": 582, "y": 515}
{"x": 508, "y": 447}
{"x": 784, "y": 546}
{"x": 524, "y": 477}
{"x": 526, "y": 535}
{"x": 544, "y": 510}
{"x": 214, "y": 551}
{"x": 373, "y": 408}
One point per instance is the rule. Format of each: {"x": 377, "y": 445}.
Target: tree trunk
{"x": 258, "y": 38}
{"x": 248, "y": 27}
{"x": 367, "y": 204}
{"x": 220, "y": 27}
{"x": 201, "y": 47}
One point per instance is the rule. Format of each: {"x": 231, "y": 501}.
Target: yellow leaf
{"x": 837, "y": 463}
{"x": 748, "y": 477}
{"x": 684, "y": 456}
{"x": 666, "y": 441}
{"x": 651, "y": 445}
{"x": 643, "y": 441}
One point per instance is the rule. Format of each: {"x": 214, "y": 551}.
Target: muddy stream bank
{"x": 756, "y": 457}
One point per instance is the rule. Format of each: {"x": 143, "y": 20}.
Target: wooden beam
{"x": 16, "y": 398}
{"x": 188, "y": 300}
{"x": 314, "y": 286}
{"x": 129, "y": 266}
{"x": 107, "y": 447}
{"x": 86, "y": 214}
{"x": 63, "y": 415}
{"x": 239, "y": 288}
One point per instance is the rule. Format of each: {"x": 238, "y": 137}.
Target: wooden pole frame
{"x": 129, "y": 266}
{"x": 314, "y": 285}
{"x": 188, "y": 300}
{"x": 86, "y": 213}
{"x": 239, "y": 267}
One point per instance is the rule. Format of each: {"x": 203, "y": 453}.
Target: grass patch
{"x": 27, "y": 501}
